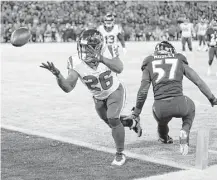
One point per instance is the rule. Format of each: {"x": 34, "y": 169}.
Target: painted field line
{"x": 193, "y": 174}
{"x": 96, "y": 147}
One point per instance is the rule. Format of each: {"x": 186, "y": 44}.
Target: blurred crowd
{"x": 62, "y": 21}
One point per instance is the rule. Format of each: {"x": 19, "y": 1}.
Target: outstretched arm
{"x": 65, "y": 84}
{"x": 142, "y": 93}
{"x": 193, "y": 76}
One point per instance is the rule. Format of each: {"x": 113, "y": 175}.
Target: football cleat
{"x": 136, "y": 126}
{"x": 184, "y": 142}
{"x": 120, "y": 159}
{"x": 168, "y": 140}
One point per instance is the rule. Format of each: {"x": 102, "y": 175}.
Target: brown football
{"x": 20, "y": 36}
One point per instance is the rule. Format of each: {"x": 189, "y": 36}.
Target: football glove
{"x": 95, "y": 54}
{"x": 213, "y": 101}
{"x": 50, "y": 66}
{"x": 134, "y": 115}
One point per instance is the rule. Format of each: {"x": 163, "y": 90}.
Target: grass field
{"x": 32, "y": 103}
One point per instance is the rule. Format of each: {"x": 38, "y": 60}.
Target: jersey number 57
{"x": 157, "y": 68}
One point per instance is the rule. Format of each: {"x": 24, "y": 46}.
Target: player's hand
{"x": 134, "y": 115}
{"x": 131, "y": 116}
{"x": 50, "y": 66}
{"x": 70, "y": 63}
{"x": 95, "y": 54}
{"x": 213, "y": 101}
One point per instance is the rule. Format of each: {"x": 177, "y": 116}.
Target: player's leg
{"x": 211, "y": 57}
{"x": 162, "y": 120}
{"x": 204, "y": 43}
{"x": 200, "y": 42}
{"x": 189, "y": 42}
{"x": 183, "y": 43}
{"x": 101, "y": 109}
{"x": 132, "y": 122}
{"x": 187, "y": 121}
{"x": 115, "y": 103}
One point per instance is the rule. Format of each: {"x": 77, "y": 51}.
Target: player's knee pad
{"x": 114, "y": 122}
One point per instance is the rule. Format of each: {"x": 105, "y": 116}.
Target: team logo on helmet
{"x": 164, "y": 47}
{"x": 89, "y": 39}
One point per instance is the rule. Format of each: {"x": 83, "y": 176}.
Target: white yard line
{"x": 193, "y": 174}
{"x": 95, "y": 147}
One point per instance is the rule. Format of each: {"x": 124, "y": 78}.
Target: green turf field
{"x": 33, "y": 102}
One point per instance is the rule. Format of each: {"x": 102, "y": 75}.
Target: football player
{"x": 212, "y": 44}
{"x": 99, "y": 74}
{"x": 187, "y": 33}
{"x": 201, "y": 29}
{"x": 112, "y": 34}
{"x": 165, "y": 70}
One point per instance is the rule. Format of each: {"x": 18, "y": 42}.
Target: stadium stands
{"x": 62, "y": 21}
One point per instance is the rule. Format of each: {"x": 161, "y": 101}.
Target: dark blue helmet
{"x": 164, "y": 47}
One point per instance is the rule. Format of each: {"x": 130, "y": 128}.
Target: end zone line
{"x": 97, "y": 147}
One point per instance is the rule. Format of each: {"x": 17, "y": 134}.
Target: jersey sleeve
{"x": 182, "y": 58}
{"x": 143, "y": 92}
{"x": 146, "y": 61}
{"x": 193, "y": 76}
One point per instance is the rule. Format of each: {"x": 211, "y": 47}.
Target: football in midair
{"x": 20, "y": 36}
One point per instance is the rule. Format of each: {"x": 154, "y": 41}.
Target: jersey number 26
{"x": 105, "y": 80}
{"x": 156, "y": 66}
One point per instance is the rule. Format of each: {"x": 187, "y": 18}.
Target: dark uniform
{"x": 212, "y": 42}
{"x": 166, "y": 72}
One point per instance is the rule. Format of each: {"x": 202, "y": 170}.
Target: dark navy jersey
{"x": 166, "y": 74}
{"x": 212, "y": 37}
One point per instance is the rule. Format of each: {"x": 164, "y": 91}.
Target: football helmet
{"x": 90, "y": 38}
{"x": 109, "y": 21}
{"x": 164, "y": 47}
{"x": 214, "y": 24}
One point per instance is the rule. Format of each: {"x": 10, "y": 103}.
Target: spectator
{"x": 47, "y": 20}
